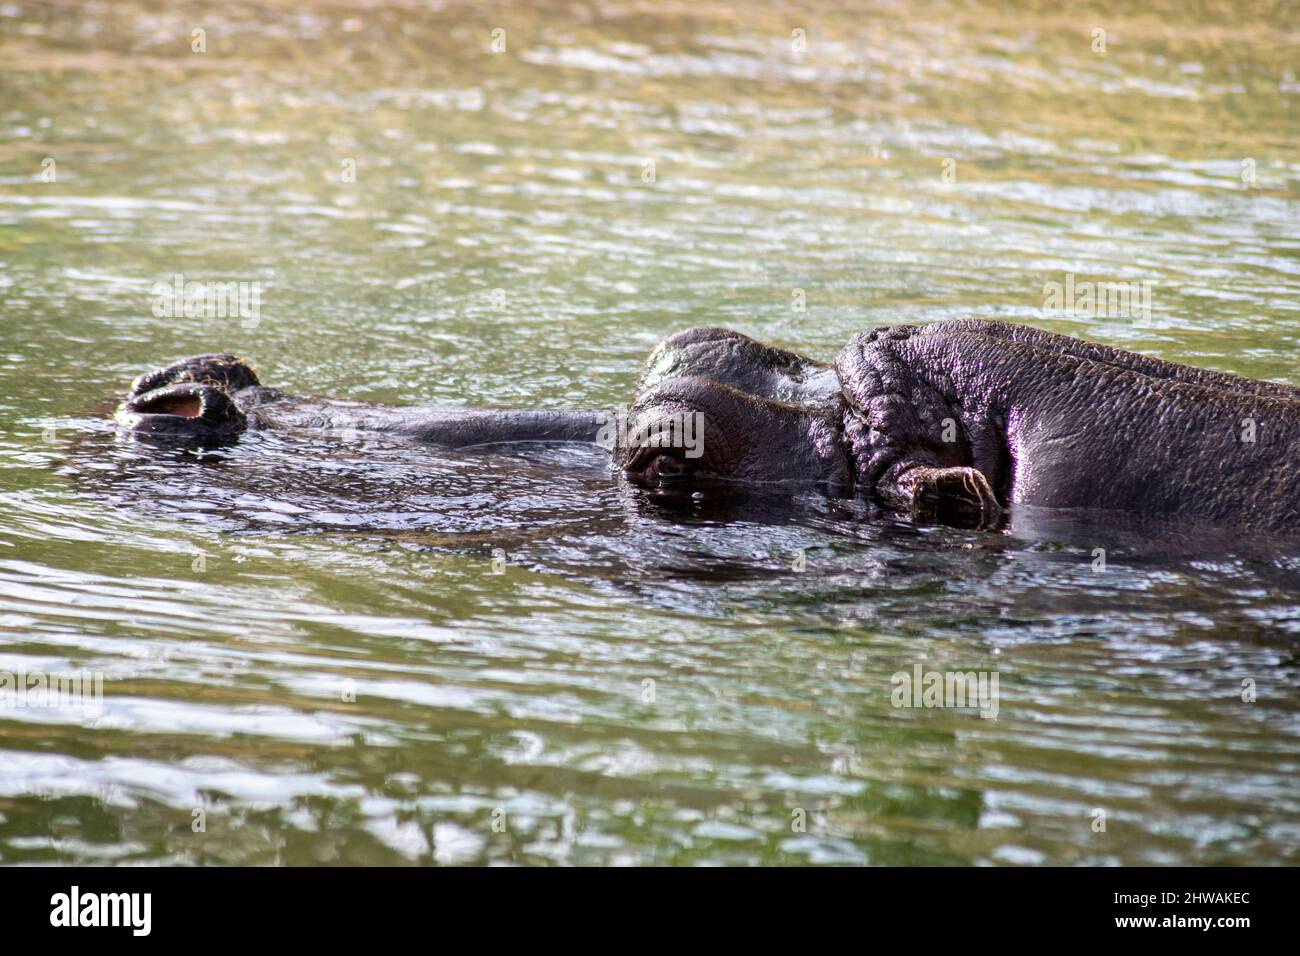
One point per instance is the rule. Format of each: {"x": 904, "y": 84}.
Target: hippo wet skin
{"x": 956, "y": 421}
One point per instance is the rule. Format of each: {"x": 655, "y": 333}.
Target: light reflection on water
{"x": 308, "y": 641}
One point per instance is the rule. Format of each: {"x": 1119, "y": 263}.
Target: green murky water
{"x": 307, "y": 653}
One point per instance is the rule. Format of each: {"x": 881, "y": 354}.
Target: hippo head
{"x": 712, "y": 405}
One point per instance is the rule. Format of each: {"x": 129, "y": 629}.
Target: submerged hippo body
{"x": 957, "y": 420}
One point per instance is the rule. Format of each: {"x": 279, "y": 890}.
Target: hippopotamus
{"x": 957, "y": 421}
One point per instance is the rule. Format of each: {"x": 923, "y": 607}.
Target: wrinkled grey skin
{"x": 956, "y": 421}
{"x": 1049, "y": 420}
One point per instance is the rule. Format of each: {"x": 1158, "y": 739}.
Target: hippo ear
{"x": 959, "y": 496}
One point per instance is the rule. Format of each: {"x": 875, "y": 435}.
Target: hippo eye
{"x": 668, "y": 465}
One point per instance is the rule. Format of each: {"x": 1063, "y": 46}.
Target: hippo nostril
{"x": 182, "y": 406}
{"x": 184, "y": 411}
